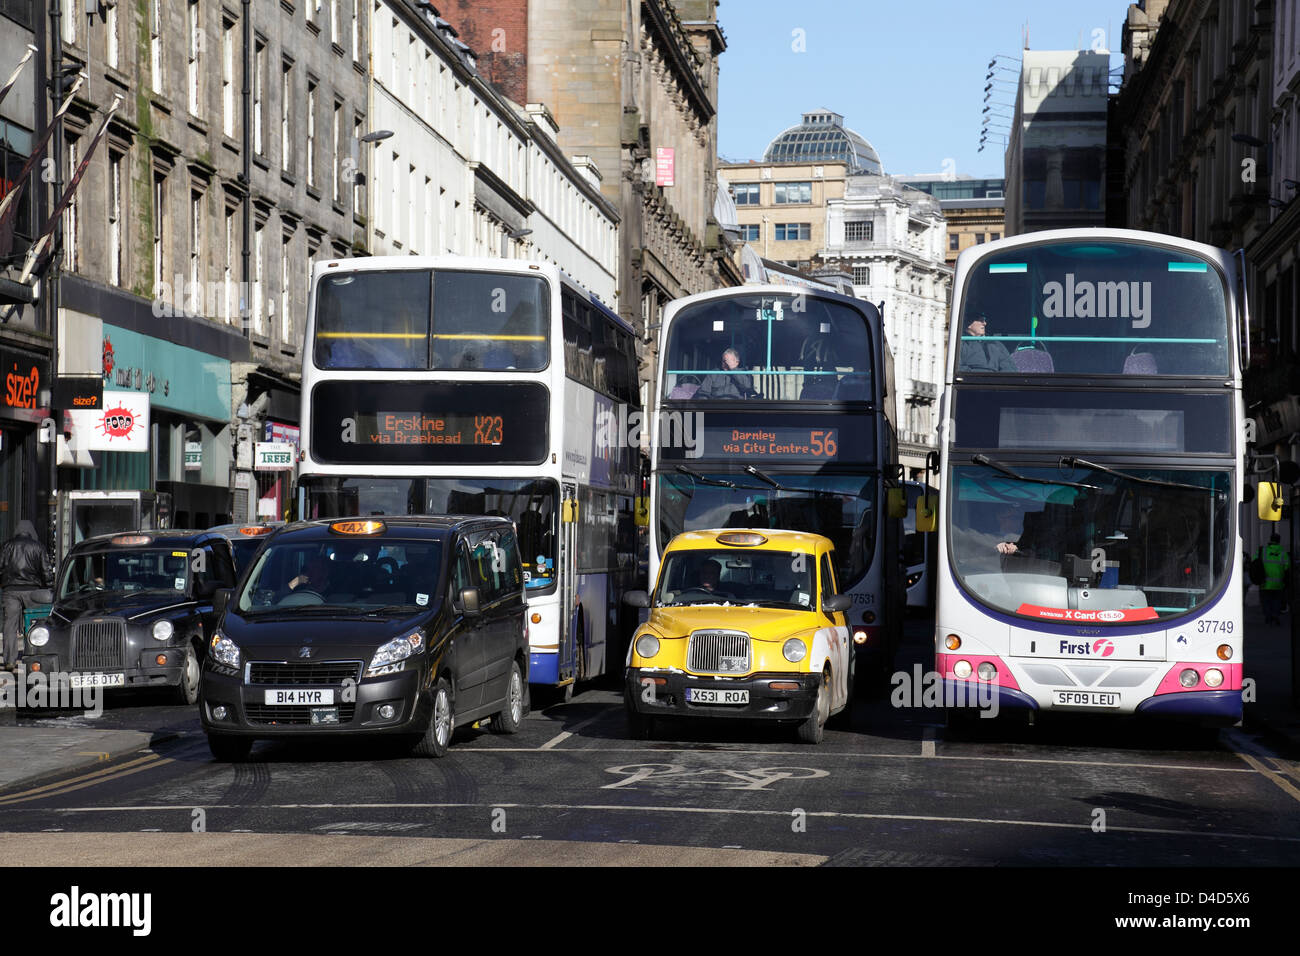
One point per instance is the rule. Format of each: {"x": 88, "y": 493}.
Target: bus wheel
{"x": 813, "y": 728}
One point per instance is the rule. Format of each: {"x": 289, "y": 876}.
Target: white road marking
{"x": 716, "y": 811}
{"x": 927, "y": 742}
{"x": 565, "y": 735}
{"x": 831, "y": 753}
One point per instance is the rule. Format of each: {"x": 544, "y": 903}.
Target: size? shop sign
{"x": 193, "y": 456}
{"x": 273, "y": 456}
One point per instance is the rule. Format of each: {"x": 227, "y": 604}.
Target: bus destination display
{"x": 430, "y": 423}
{"x": 791, "y": 437}
{"x": 782, "y": 443}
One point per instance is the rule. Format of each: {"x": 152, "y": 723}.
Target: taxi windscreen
{"x": 349, "y": 575}
{"x": 765, "y": 578}
{"x": 151, "y": 569}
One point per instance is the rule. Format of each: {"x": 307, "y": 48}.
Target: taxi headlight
{"x": 223, "y": 650}
{"x": 39, "y": 636}
{"x": 398, "y": 649}
{"x": 163, "y": 630}
{"x": 794, "y": 650}
{"x": 647, "y": 645}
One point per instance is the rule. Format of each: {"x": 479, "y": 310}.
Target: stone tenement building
{"x": 627, "y": 82}
{"x": 187, "y": 251}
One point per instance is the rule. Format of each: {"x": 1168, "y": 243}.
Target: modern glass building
{"x": 823, "y": 137}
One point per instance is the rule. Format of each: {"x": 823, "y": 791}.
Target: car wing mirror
{"x": 636, "y": 599}
{"x": 837, "y": 603}
{"x": 220, "y": 599}
{"x": 469, "y": 600}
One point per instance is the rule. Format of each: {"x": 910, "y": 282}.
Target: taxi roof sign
{"x": 357, "y": 527}
{"x": 743, "y": 539}
{"x": 256, "y": 530}
{"x": 132, "y": 539}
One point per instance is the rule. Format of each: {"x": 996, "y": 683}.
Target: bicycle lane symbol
{"x": 667, "y": 775}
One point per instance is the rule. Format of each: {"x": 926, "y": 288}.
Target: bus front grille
{"x": 718, "y": 652}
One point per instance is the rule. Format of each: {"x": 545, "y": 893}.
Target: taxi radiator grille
{"x": 97, "y": 645}
{"x": 296, "y": 674}
{"x": 273, "y": 714}
{"x": 707, "y": 649}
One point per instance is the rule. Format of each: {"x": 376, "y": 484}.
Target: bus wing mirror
{"x": 896, "y": 503}
{"x": 927, "y": 512}
{"x": 642, "y": 513}
{"x": 636, "y": 599}
{"x": 1268, "y": 501}
{"x": 932, "y": 462}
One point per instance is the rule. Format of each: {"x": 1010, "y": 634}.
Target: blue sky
{"x": 908, "y": 76}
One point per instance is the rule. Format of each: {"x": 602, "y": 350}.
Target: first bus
{"x": 455, "y": 385}
{"x": 1092, "y": 442}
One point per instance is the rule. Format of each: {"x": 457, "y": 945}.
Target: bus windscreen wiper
{"x": 766, "y": 479}
{"x": 1075, "y": 461}
{"x": 704, "y": 479}
{"x": 777, "y": 486}
{"x": 988, "y": 462}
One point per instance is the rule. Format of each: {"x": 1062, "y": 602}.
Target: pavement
{"x": 30, "y": 755}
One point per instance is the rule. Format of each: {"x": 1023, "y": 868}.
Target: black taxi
{"x": 134, "y": 611}
{"x": 402, "y": 627}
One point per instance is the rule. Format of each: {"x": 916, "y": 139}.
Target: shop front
{"x": 24, "y": 467}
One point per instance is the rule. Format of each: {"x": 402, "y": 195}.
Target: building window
{"x": 979, "y": 238}
{"x": 155, "y": 45}
{"x": 228, "y": 77}
{"x": 259, "y": 92}
{"x": 751, "y": 232}
{"x": 159, "y": 212}
{"x": 358, "y": 176}
{"x": 71, "y": 215}
{"x": 356, "y": 30}
{"x": 286, "y": 295}
{"x": 786, "y": 231}
{"x": 334, "y": 20}
{"x": 311, "y": 133}
{"x": 286, "y": 103}
{"x": 336, "y": 138}
{"x": 115, "y": 224}
{"x": 69, "y": 12}
{"x": 787, "y": 193}
{"x": 746, "y": 194}
{"x": 230, "y": 304}
{"x": 112, "y": 52}
{"x": 395, "y": 211}
{"x": 196, "y": 243}
{"x": 859, "y": 230}
{"x": 954, "y": 242}
{"x": 995, "y": 236}
{"x": 861, "y": 275}
{"x": 195, "y": 48}
{"x": 311, "y": 8}
{"x": 259, "y": 324}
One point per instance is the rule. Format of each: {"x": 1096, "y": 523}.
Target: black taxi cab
{"x": 245, "y": 539}
{"x": 134, "y": 611}
{"x": 403, "y": 627}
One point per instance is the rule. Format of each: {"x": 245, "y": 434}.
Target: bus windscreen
{"x": 1094, "y": 308}
{"x": 795, "y": 347}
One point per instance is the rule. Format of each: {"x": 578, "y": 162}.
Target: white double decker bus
{"x": 1090, "y": 556}
{"x": 451, "y": 385}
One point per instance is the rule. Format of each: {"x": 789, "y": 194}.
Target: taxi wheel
{"x": 187, "y": 691}
{"x": 813, "y": 728}
{"x": 229, "y": 749}
{"x": 437, "y": 737}
{"x": 512, "y": 715}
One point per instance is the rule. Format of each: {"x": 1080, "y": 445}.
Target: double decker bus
{"x": 1092, "y": 441}
{"x": 774, "y": 409}
{"x": 454, "y": 385}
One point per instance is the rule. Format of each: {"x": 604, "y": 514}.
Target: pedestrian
{"x": 25, "y": 577}
{"x": 983, "y": 356}
{"x": 1277, "y": 568}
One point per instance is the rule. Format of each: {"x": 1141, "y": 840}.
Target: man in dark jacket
{"x": 25, "y": 575}
{"x": 728, "y": 383}
{"x": 983, "y": 356}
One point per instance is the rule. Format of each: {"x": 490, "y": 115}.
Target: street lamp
{"x": 512, "y": 234}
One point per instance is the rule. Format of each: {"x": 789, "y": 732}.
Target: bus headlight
{"x": 1213, "y": 677}
{"x": 39, "y": 636}
{"x": 986, "y": 670}
{"x": 163, "y": 630}
{"x": 1189, "y": 678}
{"x": 962, "y": 669}
{"x": 794, "y": 650}
{"x": 647, "y": 646}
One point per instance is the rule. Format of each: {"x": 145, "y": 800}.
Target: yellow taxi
{"x": 743, "y": 624}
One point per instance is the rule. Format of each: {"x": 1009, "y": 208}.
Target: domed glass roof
{"x": 823, "y": 137}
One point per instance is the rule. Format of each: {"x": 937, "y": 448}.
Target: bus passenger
{"x": 728, "y": 383}
{"x": 983, "y": 356}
